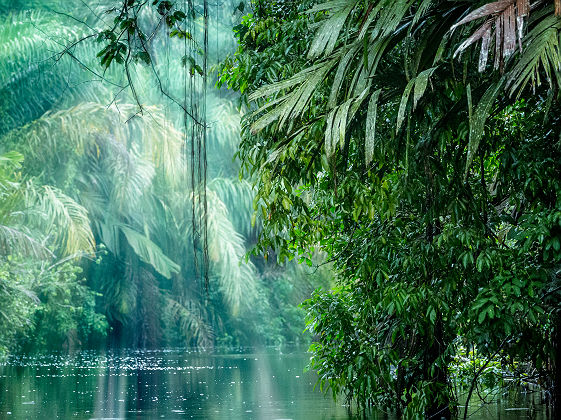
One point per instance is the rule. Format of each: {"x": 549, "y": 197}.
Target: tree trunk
{"x": 440, "y": 409}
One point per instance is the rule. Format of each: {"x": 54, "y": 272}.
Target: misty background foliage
{"x": 96, "y": 228}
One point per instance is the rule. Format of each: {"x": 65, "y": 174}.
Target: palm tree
{"x": 88, "y": 139}
{"x": 522, "y": 39}
{"x": 39, "y": 222}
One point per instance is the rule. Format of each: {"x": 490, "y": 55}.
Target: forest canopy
{"x": 101, "y": 230}
{"x": 417, "y": 143}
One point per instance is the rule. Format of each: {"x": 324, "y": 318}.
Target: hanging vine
{"x": 129, "y": 41}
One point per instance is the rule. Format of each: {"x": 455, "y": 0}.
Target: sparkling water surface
{"x": 153, "y": 384}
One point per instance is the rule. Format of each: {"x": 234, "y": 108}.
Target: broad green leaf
{"x": 370, "y": 135}
{"x": 481, "y": 317}
{"x": 149, "y": 252}
{"x": 479, "y": 117}
{"x": 421, "y": 84}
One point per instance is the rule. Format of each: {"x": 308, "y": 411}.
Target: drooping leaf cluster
{"x": 428, "y": 178}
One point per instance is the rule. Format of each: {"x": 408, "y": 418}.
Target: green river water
{"x": 177, "y": 384}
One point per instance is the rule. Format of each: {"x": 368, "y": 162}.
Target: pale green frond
{"x": 295, "y": 102}
{"x": 478, "y": 118}
{"x": 340, "y": 124}
{"x": 158, "y": 141}
{"x": 79, "y": 126}
{"x": 421, "y": 85}
{"x": 390, "y": 14}
{"x": 273, "y": 88}
{"x": 17, "y": 241}
{"x": 328, "y": 142}
{"x": 340, "y": 74}
{"x": 418, "y": 84}
{"x": 421, "y": 11}
{"x": 82, "y": 126}
{"x": 297, "y": 79}
{"x": 403, "y": 103}
{"x": 67, "y": 221}
{"x": 292, "y": 103}
{"x": 11, "y": 191}
{"x": 383, "y": 20}
{"x": 236, "y": 277}
{"x": 190, "y": 318}
{"x": 329, "y": 6}
{"x": 338, "y": 120}
{"x": 238, "y": 195}
{"x": 271, "y": 116}
{"x": 328, "y": 32}
{"x": 32, "y": 81}
{"x": 12, "y": 158}
{"x": 224, "y": 126}
{"x": 300, "y": 98}
{"x": 357, "y": 103}
{"x": 131, "y": 177}
{"x": 542, "y": 49}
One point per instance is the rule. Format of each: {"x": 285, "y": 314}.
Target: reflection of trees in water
{"x": 148, "y": 384}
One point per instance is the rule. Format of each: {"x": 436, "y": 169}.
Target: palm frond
{"x": 292, "y": 104}
{"x": 64, "y": 219}
{"x": 479, "y": 116}
{"x": 236, "y": 278}
{"x": 130, "y": 176}
{"x": 238, "y": 195}
{"x": 328, "y": 33}
{"x": 29, "y": 42}
{"x": 89, "y": 125}
{"x": 190, "y": 317}
{"x": 541, "y": 50}
{"x": 507, "y": 17}
{"x": 19, "y": 242}
{"x": 370, "y": 135}
{"x": 337, "y": 121}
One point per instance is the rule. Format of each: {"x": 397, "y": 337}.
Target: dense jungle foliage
{"x": 378, "y": 132}
{"x": 96, "y": 230}
{"x": 411, "y": 146}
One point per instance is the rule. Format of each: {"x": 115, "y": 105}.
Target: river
{"x": 179, "y": 384}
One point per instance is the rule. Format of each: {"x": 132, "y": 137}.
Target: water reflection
{"x": 186, "y": 384}
{"x": 163, "y": 384}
